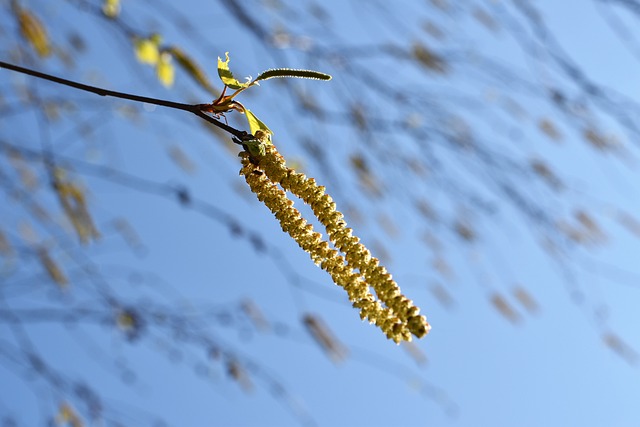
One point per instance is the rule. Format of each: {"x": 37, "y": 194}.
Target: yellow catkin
{"x": 398, "y": 318}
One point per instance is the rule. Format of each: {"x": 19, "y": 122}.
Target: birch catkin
{"x": 357, "y": 270}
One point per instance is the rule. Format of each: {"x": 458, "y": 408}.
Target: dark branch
{"x": 194, "y": 109}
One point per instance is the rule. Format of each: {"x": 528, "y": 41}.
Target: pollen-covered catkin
{"x": 398, "y": 317}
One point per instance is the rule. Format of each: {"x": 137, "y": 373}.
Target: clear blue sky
{"x": 549, "y": 369}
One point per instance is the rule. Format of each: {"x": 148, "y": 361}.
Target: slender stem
{"x": 194, "y": 109}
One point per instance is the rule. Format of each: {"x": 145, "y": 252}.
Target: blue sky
{"x": 550, "y": 368}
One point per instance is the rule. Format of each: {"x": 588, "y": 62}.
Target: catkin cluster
{"x": 348, "y": 261}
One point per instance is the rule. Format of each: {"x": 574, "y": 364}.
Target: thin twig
{"x": 194, "y": 109}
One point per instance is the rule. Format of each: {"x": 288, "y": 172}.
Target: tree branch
{"x": 194, "y": 109}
